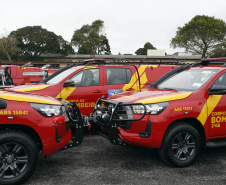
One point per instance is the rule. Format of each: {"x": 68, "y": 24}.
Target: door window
{"x": 118, "y": 76}
{"x": 221, "y": 80}
{"x": 88, "y": 77}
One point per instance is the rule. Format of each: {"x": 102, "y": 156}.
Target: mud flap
{"x": 113, "y": 134}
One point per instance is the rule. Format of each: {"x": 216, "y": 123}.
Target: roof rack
{"x": 124, "y": 62}
{"x": 211, "y": 61}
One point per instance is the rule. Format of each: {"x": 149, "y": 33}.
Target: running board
{"x": 214, "y": 144}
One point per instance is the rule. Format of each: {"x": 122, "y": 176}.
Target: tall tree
{"x": 8, "y": 47}
{"x": 91, "y": 39}
{"x": 143, "y": 51}
{"x": 35, "y": 40}
{"x": 219, "y": 50}
{"x": 200, "y": 35}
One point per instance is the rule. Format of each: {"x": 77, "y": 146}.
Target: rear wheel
{"x": 181, "y": 145}
{"x": 18, "y": 157}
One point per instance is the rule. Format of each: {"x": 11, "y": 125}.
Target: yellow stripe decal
{"x": 25, "y": 98}
{"x": 210, "y": 104}
{"x": 65, "y": 92}
{"x": 143, "y": 77}
{"x": 32, "y": 89}
{"x": 90, "y": 67}
{"x": 133, "y": 82}
{"x": 165, "y": 98}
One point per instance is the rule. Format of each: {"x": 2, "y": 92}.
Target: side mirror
{"x": 217, "y": 89}
{"x": 69, "y": 83}
{"x": 3, "y": 104}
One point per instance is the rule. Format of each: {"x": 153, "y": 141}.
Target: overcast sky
{"x": 129, "y": 23}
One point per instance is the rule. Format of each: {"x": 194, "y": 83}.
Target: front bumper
{"x": 114, "y": 120}
{"x": 76, "y": 122}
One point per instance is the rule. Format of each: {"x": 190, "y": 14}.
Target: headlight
{"x": 47, "y": 110}
{"x": 155, "y": 108}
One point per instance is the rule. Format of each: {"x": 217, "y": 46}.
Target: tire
{"x": 18, "y": 157}
{"x": 181, "y": 145}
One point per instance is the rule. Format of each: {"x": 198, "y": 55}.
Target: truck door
{"x": 217, "y": 110}
{"x": 119, "y": 80}
{"x": 87, "y": 89}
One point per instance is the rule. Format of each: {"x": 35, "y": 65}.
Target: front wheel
{"x": 18, "y": 157}
{"x": 181, "y": 145}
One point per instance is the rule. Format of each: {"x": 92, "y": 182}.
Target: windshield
{"x": 187, "y": 80}
{"x": 56, "y": 79}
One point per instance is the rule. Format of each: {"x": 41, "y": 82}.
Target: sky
{"x": 129, "y": 24}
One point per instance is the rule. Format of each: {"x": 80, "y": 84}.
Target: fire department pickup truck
{"x": 32, "y": 123}
{"x": 86, "y": 82}
{"x": 180, "y": 114}
{"x": 16, "y": 75}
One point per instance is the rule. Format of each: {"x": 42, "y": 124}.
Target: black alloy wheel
{"x": 13, "y": 160}
{"x": 181, "y": 145}
{"x": 18, "y": 157}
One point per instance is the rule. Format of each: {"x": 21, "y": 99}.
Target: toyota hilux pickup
{"x": 86, "y": 82}
{"x": 180, "y": 114}
{"x": 32, "y": 124}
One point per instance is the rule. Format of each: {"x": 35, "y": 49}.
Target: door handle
{"x": 97, "y": 91}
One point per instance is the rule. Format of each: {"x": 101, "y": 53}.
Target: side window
{"x": 221, "y": 80}
{"x": 88, "y": 77}
{"x": 118, "y": 76}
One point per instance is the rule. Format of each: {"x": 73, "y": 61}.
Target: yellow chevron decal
{"x": 65, "y": 92}
{"x": 142, "y": 73}
{"x": 31, "y": 88}
{"x": 132, "y": 82}
{"x": 26, "y": 98}
{"x": 165, "y": 98}
{"x": 210, "y": 104}
{"x": 143, "y": 78}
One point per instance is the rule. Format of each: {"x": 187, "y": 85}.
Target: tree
{"x": 201, "y": 35}
{"x": 219, "y": 50}
{"x": 8, "y": 47}
{"x": 143, "y": 51}
{"x": 91, "y": 39}
{"x": 35, "y": 40}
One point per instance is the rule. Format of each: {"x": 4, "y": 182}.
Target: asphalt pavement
{"x": 97, "y": 161}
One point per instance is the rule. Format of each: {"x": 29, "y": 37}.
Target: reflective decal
{"x": 112, "y": 92}
{"x": 212, "y": 102}
{"x": 65, "y": 92}
{"x": 26, "y": 89}
{"x": 165, "y": 98}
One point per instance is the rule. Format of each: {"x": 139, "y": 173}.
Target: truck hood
{"x": 147, "y": 96}
{"x": 28, "y": 97}
{"x": 26, "y": 88}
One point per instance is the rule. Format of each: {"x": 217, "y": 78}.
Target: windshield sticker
{"x": 112, "y": 92}
{"x": 207, "y": 72}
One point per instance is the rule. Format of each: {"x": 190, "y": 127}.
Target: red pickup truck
{"x": 86, "y": 82}
{"x": 180, "y": 114}
{"x": 32, "y": 124}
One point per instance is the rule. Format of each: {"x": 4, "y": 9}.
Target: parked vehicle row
{"x": 178, "y": 109}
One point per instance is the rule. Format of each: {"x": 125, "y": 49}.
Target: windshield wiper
{"x": 169, "y": 89}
